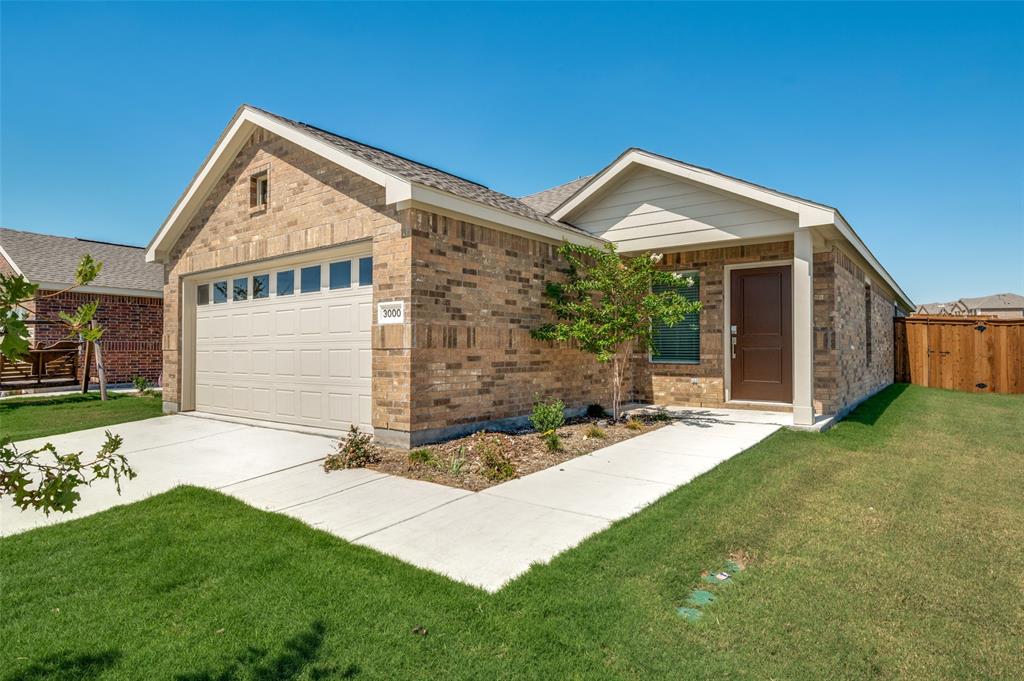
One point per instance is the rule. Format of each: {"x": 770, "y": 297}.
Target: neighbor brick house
{"x": 315, "y": 280}
{"x": 129, "y": 291}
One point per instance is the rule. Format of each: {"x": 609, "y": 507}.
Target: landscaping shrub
{"x": 633, "y": 423}
{"x": 355, "y": 451}
{"x": 596, "y": 432}
{"x": 423, "y": 457}
{"x": 141, "y": 384}
{"x": 494, "y": 463}
{"x": 454, "y": 464}
{"x": 595, "y": 411}
{"x": 547, "y": 418}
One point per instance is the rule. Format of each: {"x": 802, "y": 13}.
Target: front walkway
{"x": 484, "y": 538}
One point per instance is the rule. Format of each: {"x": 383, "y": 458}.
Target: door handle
{"x": 734, "y": 347}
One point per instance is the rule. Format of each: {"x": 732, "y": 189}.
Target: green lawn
{"x": 887, "y": 548}
{"x": 23, "y": 418}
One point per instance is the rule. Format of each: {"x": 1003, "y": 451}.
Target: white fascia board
{"x": 10, "y": 261}
{"x": 429, "y": 197}
{"x": 809, "y": 213}
{"x": 99, "y": 290}
{"x": 851, "y": 237}
{"x": 230, "y": 142}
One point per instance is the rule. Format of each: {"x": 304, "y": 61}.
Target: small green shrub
{"x": 356, "y": 450}
{"x": 633, "y": 423}
{"x": 547, "y": 416}
{"x": 595, "y": 411}
{"x": 494, "y": 463}
{"x": 454, "y": 464}
{"x": 553, "y": 441}
{"x": 422, "y": 457}
{"x": 141, "y": 384}
{"x": 595, "y": 432}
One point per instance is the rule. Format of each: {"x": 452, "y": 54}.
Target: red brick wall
{"x": 131, "y": 336}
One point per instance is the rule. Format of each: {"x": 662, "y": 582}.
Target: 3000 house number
{"x": 391, "y": 313}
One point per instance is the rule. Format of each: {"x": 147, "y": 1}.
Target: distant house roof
{"x": 52, "y": 261}
{"x": 997, "y": 301}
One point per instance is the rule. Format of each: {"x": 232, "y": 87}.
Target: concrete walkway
{"x": 484, "y": 539}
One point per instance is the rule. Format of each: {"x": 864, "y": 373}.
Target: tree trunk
{"x": 85, "y": 367}
{"x": 101, "y": 372}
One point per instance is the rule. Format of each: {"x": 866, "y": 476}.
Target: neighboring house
{"x": 129, "y": 291}
{"x": 1003, "y": 305}
{"x": 315, "y": 280}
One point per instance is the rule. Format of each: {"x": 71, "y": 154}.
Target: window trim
{"x": 653, "y": 359}
{"x": 259, "y": 200}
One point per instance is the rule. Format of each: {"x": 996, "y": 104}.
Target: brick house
{"x": 315, "y": 280}
{"x": 129, "y": 291}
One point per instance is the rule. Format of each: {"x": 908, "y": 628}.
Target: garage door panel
{"x": 299, "y": 358}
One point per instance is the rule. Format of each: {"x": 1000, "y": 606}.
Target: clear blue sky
{"x": 906, "y": 117}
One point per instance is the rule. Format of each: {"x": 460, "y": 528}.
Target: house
{"x": 315, "y": 280}
{"x": 129, "y": 291}
{"x": 1001, "y": 305}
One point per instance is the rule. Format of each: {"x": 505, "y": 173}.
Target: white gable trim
{"x": 396, "y": 189}
{"x": 809, "y": 214}
{"x": 10, "y": 261}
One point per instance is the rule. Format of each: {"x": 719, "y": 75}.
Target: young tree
{"x": 608, "y": 305}
{"x": 42, "y": 478}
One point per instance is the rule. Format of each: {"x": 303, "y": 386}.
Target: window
{"x": 286, "y": 283}
{"x": 679, "y": 344}
{"x": 310, "y": 279}
{"x": 365, "y": 271}
{"x": 240, "y": 289}
{"x": 341, "y": 274}
{"x": 259, "y": 190}
{"x": 203, "y": 294}
{"x": 260, "y": 286}
{"x": 867, "y": 322}
{"x": 220, "y": 292}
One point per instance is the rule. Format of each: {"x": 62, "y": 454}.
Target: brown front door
{"x": 762, "y": 332}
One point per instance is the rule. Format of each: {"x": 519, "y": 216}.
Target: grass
{"x": 887, "y": 548}
{"x": 24, "y": 418}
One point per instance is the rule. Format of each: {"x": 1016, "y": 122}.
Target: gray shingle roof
{"x": 422, "y": 174}
{"x": 550, "y": 199}
{"x": 995, "y": 301}
{"x": 46, "y": 258}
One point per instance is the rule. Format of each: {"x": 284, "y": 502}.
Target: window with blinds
{"x": 679, "y": 344}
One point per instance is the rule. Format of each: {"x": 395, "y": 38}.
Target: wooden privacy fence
{"x": 973, "y": 354}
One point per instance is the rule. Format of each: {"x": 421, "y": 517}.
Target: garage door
{"x": 287, "y": 344}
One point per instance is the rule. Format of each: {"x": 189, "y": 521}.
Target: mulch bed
{"x": 525, "y": 449}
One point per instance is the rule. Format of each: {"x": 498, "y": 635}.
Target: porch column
{"x": 803, "y": 328}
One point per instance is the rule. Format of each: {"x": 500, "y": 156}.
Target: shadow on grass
{"x": 61, "y": 666}
{"x": 297, "y": 658}
{"x": 871, "y": 409}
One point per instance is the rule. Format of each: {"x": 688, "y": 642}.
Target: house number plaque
{"x": 391, "y": 313}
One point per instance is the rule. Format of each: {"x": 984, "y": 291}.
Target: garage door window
{"x": 260, "y": 286}
{"x": 240, "y": 290}
{"x": 203, "y": 294}
{"x": 286, "y": 283}
{"x": 220, "y": 292}
{"x": 310, "y": 279}
{"x": 341, "y": 274}
{"x": 365, "y": 271}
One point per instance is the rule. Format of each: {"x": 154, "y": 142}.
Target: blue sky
{"x": 906, "y": 117}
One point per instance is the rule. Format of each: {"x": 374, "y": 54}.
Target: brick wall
{"x": 313, "y": 203}
{"x": 476, "y": 295}
{"x": 132, "y": 331}
{"x": 843, "y": 371}
{"x": 702, "y": 384}
{"x": 5, "y": 267}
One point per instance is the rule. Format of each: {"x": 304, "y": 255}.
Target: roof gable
{"x": 402, "y": 178}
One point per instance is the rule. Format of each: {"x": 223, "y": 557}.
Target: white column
{"x": 803, "y": 328}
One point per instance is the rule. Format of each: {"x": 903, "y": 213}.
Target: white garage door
{"x": 287, "y": 344}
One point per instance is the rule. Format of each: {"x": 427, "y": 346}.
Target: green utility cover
{"x": 700, "y": 597}
{"x": 689, "y": 614}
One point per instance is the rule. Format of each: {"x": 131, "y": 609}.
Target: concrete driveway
{"x": 484, "y": 539}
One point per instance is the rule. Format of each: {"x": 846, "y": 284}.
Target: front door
{"x": 762, "y": 331}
